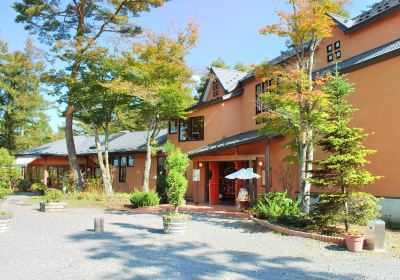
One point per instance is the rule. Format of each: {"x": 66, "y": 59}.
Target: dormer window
{"x": 215, "y": 88}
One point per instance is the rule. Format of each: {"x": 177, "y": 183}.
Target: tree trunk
{"x": 69, "y": 137}
{"x": 147, "y": 163}
{"x": 303, "y": 175}
{"x": 104, "y": 174}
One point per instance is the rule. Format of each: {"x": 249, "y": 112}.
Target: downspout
{"x": 267, "y": 168}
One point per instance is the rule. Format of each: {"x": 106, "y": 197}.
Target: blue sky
{"x": 228, "y": 29}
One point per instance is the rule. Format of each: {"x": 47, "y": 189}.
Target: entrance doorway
{"x": 227, "y": 187}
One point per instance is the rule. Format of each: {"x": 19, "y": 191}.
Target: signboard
{"x": 196, "y": 175}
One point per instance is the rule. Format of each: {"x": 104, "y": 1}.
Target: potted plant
{"x": 53, "y": 202}
{"x": 5, "y": 221}
{"x": 354, "y": 240}
{"x": 176, "y": 164}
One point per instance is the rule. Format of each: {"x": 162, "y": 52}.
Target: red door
{"x": 214, "y": 183}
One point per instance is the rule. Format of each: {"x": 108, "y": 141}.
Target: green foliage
{"x": 23, "y": 123}
{"x": 173, "y": 215}
{"x": 5, "y": 215}
{"x": 24, "y": 185}
{"x": 38, "y": 187}
{"x": 8, "y": 171}
{"x": 53, "y": 196}
{"x": 274, "y": 206}
{"x": 341, "y": 172}
{"x": 94, "y": 185}
{"x": 332, "y": 209}
{"x": 143, "y": 199}
{"x": 5, "y": 189}
{"x": 176, "y": 164}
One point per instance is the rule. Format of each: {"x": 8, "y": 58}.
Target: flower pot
{"x": 175, "y": 225}
{"x": 52, "y": 206}
{"x": 5, "y": 221}
{"x": 354, "y": 242}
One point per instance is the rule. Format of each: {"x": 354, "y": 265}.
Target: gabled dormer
{"x": 221, "y": 82}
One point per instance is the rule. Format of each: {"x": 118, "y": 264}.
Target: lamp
{"x": 200, "y": 164}
{"x": 260, "y": 163}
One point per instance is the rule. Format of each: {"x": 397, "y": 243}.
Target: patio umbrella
{"x": 243, "y": 174}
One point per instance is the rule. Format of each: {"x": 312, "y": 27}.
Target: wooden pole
{"x": 99, "y": 224}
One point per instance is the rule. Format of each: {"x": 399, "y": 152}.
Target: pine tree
{"x": 342, "y": 172}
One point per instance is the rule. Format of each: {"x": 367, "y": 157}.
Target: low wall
{"x": 319, "y": 237}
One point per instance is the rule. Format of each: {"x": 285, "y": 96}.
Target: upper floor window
{"x": 329, "y": 49}
{"x": 131, "y": 161}
{"x": 215, "y": 88}
{"x": 173, "y": 126}
{"x": 262, "y": 88}
{"x": 191, "y": 129}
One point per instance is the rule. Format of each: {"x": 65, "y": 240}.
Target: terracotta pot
{"x": 354, "y": 243}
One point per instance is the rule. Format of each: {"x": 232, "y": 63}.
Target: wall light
{"x": 200, "y": 164}
{"x": 260, "y": 163}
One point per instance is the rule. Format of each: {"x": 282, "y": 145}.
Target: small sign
{"x": 196, "y": 175}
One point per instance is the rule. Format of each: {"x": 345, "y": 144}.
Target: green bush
{"x": 24, "y": 185}
{"x": 38, "y": 187}
{"x": 276, "y": 206}
{"x": 143, "y": 199}
{"x": 53, "y": 196}
{"x": 330, "y": 210}
{"x": 5, "y": 192}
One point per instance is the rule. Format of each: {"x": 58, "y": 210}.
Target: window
{"x": 191, "y": 129}
{"x": 116, "y": 161}
{"x": 338, "y": 54}
{"x": 215, "y": 88}
{"x": 97, "y": 172}
{"x": 122, "y": 169}
{"x": 131, "y": 161}
{"x": 337, "y": 45}
{"x": 329, "y": 48}
{"x": 173, "y": 126}
{"x": 330, "y": 58}
{"x": 262, "y": 88}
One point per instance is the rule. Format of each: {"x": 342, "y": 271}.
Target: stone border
{"x": 324, "y": 238}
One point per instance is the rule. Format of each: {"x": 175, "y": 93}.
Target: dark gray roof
{"x": 385, "y": 51}
{"x": 121, "y": 142}
{"x": 228, "y": 142}
{"x": 378, "y": 10}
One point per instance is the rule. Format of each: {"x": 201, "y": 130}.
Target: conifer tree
{"x": 342, "y": 172}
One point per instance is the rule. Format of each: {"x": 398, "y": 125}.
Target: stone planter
{"x": 52, "y": 206}
{"x": 175, "y": 225}
{"x": 354, "y": 242}
{"x": 5, "y": 221}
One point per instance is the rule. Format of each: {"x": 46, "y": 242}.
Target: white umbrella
{"x": 243, "y": 174}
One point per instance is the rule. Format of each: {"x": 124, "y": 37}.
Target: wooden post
{"x": 45, "y": 173}
{"x": 99, "y": 224}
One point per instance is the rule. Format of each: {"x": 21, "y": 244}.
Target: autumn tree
{"x": 73, "y": 28}
{"x": 23, "y": 123}
{"x": 295, "y": 111}
{"x": 163, "y": 79}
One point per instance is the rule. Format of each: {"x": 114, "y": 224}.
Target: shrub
{"x": 24, "y": 185}
{"x": 5, "y": 192}
{"x": 8, "y": 171}
{"x": 38, "y": 187}
{"x": 94, "y": 185}
{"x": 54, "y": 196}
{"x": 176, "y": 164}
{"x": 275, "y": 206}
{"x": 142, "y": 199}
{"x": 355, "y": 208}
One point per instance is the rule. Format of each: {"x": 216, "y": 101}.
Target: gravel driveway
{"x": 63, "y": 246}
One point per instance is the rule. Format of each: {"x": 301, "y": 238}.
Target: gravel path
{"x": 63, "y": 246}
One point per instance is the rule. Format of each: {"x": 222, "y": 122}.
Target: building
{"x": 49, "y": 163}
{"x": 220, "y": 134}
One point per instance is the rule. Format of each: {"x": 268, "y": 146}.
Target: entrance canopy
{"x": 244, "y": 174}
{"x": 24, "y": 161}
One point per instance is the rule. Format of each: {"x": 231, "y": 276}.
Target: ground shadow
{"x": 141, "y": 256}
{"x": 138, "y": 227}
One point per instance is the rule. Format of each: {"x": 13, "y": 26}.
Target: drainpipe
{"x": 267, "y": 168}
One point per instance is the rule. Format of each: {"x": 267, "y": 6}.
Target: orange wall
{"x": 374, "y": 35}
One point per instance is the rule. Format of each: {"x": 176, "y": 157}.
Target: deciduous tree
{"x": 296, "y": 110}
{"x": 73, "y": 28}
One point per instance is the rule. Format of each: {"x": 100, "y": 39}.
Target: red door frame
{"x": 214, "y": 182}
